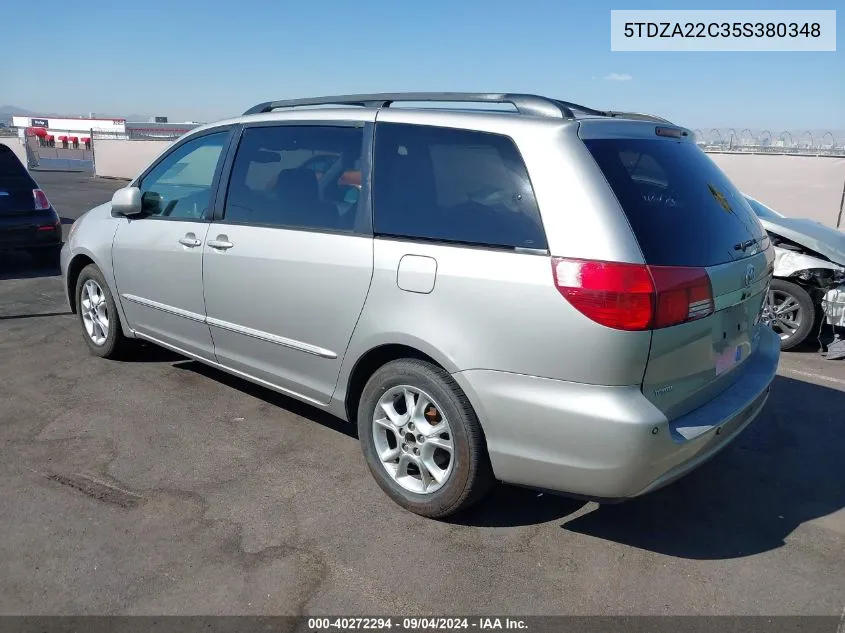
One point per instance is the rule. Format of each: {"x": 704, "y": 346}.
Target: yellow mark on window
{"x": 720, "y": 198}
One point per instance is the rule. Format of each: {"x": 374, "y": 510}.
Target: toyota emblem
{"x": 749, "y": 276}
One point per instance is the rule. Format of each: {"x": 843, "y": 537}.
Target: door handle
{"x": 222, "y": 243}
{"x": 190, "y": 240}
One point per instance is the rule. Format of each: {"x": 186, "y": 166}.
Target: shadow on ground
{"x": 19, "y": 265}
{"x": 512, "y": 506}
{"x": 143, "y": 352}
{"x": 271, "y": 397}
{"x": 778, "y": 474}
{"x": 37, "y": 315}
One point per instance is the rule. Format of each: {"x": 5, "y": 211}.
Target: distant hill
{"x": 7, "y": 111}
{"x": 10, "y": 109}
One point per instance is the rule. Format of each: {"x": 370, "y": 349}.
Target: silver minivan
{"x": 552, "y": 296}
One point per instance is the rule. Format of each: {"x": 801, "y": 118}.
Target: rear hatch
{"x": 16, "y": 186}
{"x": 690, "y": 221}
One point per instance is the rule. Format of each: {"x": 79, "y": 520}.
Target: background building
{"x": 57, "y": 126}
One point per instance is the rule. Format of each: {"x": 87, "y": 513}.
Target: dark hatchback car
{"x": 27, "y": 219}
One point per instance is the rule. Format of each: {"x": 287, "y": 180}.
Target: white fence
{"x": 797, "y": 186}
{"x": 123, "y": 158}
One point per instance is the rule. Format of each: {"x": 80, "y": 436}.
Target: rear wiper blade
{"x": 743, "y": 246}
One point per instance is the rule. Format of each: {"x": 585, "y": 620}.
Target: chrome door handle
{"x": 220, "y": 244}
{"x": 189, "y": 241}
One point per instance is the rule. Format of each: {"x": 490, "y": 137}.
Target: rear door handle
{"x": 190, "y": 240}
{"x": 221, "y": 243}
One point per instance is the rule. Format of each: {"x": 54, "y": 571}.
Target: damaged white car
{"x": 809, "y": 283}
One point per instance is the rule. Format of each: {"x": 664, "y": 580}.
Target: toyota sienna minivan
{"x": 553, "y": 296}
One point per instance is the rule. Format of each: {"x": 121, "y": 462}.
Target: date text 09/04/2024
{"x": 416, "y": 624}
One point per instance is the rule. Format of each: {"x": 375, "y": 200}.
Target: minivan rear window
{"x": 453, "y": 185}
{"x": 683, "y": 210}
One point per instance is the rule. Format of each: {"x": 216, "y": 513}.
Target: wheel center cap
{"x": 410, "y": 439}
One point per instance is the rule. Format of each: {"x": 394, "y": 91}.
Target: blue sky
{"x": 206, "y": 59}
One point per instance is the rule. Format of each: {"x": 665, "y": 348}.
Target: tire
{"x": 468, "y": 474}
{"x": 801, "y": 312}
{"x": 114, "y": 343}
{"x": 47, "y": 257}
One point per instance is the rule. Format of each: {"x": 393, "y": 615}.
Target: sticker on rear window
{"x": 720, "y": 198}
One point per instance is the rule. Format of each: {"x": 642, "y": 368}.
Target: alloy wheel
{"x": 95, "y": 312}
{"x": 783, "y": 313}
{"x": 413, "y": 439}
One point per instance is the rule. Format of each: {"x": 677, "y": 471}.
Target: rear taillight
{"x": 41, "y": 201}
{"x": 683, "y": 294}
{"x": 620, "y": 296}
{"x": 634, "y": 296}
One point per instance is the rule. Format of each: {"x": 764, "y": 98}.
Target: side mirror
{"x": 126, "y": 202}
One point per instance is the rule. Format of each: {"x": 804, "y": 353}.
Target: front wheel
{"x": 98, "y": 314}
{"x": 790, "y": 311}
{"x": 422, "y": 440}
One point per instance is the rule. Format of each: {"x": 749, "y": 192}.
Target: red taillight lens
{"x": 634, "y": 296}
{"x": 683, "y": 294}
{"x": 620, "y": 296}
{"x": 41, "y": 201}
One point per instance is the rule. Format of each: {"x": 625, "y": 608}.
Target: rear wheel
{"x": 790, "y": 312}
{"x": 422, "y": 440}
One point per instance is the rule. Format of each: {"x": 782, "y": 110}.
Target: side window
{"x": 294, "y": 176}
{"x": 453, "y": 185}
{"x": 180, "y": 185}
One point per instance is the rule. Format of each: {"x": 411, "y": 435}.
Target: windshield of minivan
{"x": 683, "y": 210}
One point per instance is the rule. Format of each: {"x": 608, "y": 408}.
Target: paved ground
{"x": 162, "y": 486}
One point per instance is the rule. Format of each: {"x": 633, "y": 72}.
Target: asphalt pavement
{"x": 161, "y": 486}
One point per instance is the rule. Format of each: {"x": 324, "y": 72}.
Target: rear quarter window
{"x": 453, "y": 185}
{"x": 683, "y": 210}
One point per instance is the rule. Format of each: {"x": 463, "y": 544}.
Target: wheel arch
{"x": 74, "y": 269}
{"x": 368, "y": 363}
{"x": 76, "y": 265}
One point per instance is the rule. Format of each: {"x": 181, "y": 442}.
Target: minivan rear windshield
{"x": 683, "y": 210}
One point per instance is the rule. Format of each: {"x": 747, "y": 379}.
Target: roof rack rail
{"x": 524, "y": 103}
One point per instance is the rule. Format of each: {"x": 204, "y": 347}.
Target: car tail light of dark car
{"x": 41, "y": 201}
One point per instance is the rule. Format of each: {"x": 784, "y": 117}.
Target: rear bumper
{"x": 38, "y": 230}
{"x": 607, "y": 443}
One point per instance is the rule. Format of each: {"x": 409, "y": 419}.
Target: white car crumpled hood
{"x": 824, "y": 240}
{"x": 788, "y": 262}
